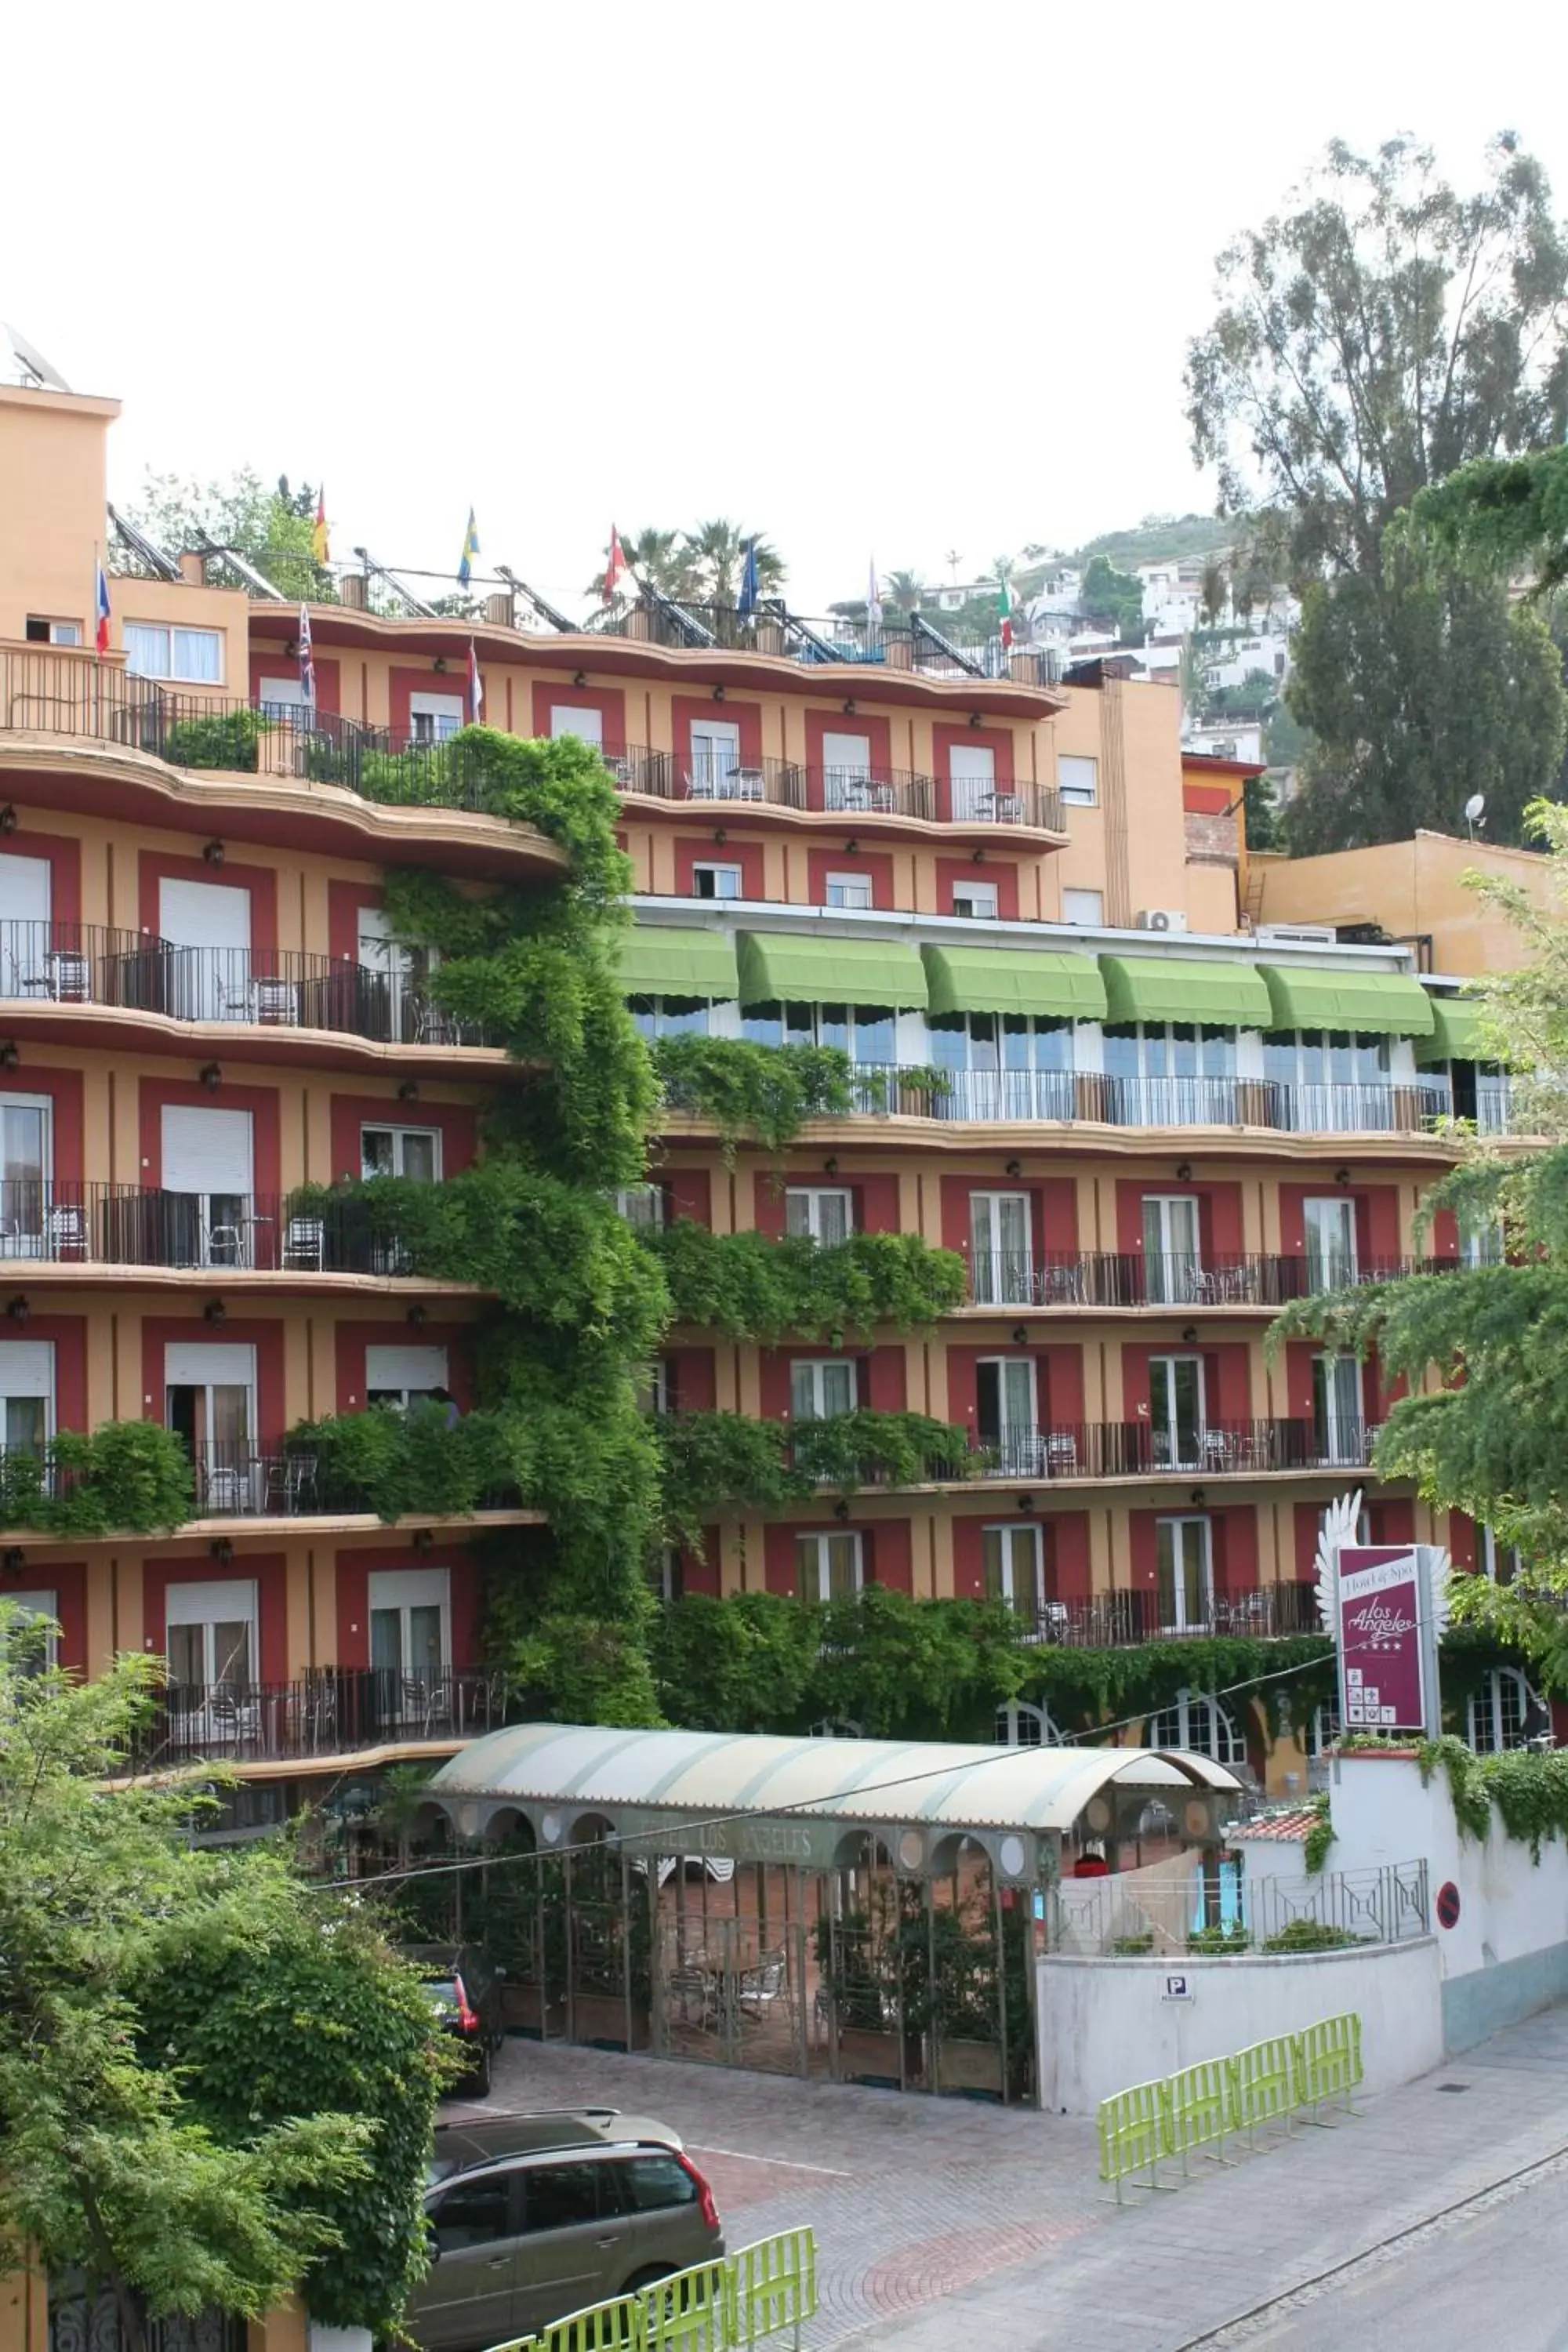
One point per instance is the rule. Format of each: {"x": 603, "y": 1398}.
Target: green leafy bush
{"x": 1311, "y": 1935}
{"x": 127, "y": 1478}
{"x": 766, "y": 1092}
{"x": 226, "y": 739}
{"x": 752, "y": 1288}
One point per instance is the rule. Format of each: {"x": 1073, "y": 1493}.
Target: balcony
{"x": 1024, "y": 1097}
{"x": 1120, "y": 1621}
{"x": 90, "y": 966}
{"x": 910, "y": 643}
{"x": 284, "y": 1480}
{"x": 92, "y": 1225}
{"x": 833, "y": 792}
{"x": 330, "y": 1712}
{"x": 1129, "y": 1279}
{"x": 1095, "y": 1450}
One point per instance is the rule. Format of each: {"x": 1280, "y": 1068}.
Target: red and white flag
{"x": 476, "y": 687}
{"x": 617, "y": 569}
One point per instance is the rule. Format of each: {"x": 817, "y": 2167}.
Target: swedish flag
{"x": 470, "y": 549}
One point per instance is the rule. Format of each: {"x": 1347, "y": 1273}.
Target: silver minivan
{"x": 524, "y": 2240}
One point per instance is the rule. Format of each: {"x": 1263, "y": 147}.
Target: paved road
{"x": 939, "y": 2220}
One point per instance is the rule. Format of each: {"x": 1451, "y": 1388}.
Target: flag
{"x": 307, "y": 657}
{"x": 1004, "y": 615}
{"x": 470, "y": 549}
{"x": 476, "y": 686}
{"x": 873, "y": 602}
{"x": 615, "y": 571}
{"x": 320, "y": 546}
{"x": 100, "y": 608}
{"x": 749, "y": 580}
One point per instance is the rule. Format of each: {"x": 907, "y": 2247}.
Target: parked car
{"x": 465, "y": 1991}
{"x": 462, "y": 2147}
{"x": 522, "y": 2241}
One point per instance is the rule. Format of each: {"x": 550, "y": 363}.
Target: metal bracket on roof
{"x": 256, "y": 581}
{"x": 380, "y": 571}
{"x": 545, "y": 611}
{"x": 799, "y": 631}
{"x": 696, "y": 632}
{"x": 921, "y": 627}
{"x": 165, "y": 566}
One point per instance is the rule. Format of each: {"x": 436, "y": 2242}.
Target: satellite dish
{"x": 34, "y": 368}
{"x": 1475, "y": 808}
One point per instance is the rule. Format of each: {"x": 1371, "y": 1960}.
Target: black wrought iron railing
{"x": 281, "y": 1479}
{"x": 1146, "y": 1449}
{"x": 54, "y": 1221}
{"x": 1140, "y": 1278}
{"x": 327, "y": 1713}
{"x": 1119, "y": 1620}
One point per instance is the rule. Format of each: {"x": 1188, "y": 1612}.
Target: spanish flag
{"x": 470, "y": 549}
{"x": 320, "y": 547}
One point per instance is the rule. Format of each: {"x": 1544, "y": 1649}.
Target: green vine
{"x": 727, "y": 1462}
{"x": 127, "y": 1477}
{"x": 752, "y": 1288}
{"x": 1526, "y": 1788}
{"x": 1320, "y": 1837}
{"x": 769, "y": 1093}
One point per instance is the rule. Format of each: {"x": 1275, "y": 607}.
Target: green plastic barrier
{"x": 772, "y": 2285}
{"x": 723, "y": 2306}
{"x": 1272, "y": 2082}
{"x": 1134, "y": 2132}
{"x": 1329, "y": 2061}
{"x": 689, "y": 2313}
{"x": 1201, "y": 2105}
{"x": 1263, "y": 2083}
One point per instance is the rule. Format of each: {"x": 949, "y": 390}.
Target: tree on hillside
{"x": 1484, "y": 1428}
{"x": 271, "y": 528}
{"x": 1113, "y": 600}
{"x": 189, "y": 2135}
{"x": 1383, "y": 332}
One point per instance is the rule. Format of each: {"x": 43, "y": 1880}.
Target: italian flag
{"x": 1004, "y": 615}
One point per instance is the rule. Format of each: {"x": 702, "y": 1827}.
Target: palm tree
{"x": 655, "y": 556}
{"x": 715, "y": 554}
{"x": 904, "y": 591}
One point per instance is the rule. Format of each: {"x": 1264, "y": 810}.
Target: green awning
{"x": 1456, "y": 1034}
{"x": 1378, "y": 1004}
{"x": 1174, "y": 988}
{"x": 659, "y": 962}
{"x": 1052, "y": 986}
{"x": 806, "y": 968}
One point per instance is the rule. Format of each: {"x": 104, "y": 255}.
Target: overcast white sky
{"x": 878, "y": 278}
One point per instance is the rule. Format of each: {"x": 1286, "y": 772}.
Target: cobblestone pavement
{"x": 917, "y": 2201}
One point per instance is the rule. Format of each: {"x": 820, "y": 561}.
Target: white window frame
{"x": 1344, "y": 1433}
{"x": 642, "y": 1207}
{"x": 1164, "y": 1416}
{"x": 429, "y": 719}
{"x": 29, "y": 1607}
{"x": 40, "y": 1387}
{"x": 234, "y": 1601}
{"x": 23, "y": 1233}
{"x": 818, "y": 1575}
{"x": 1180, "y": 1269}
{"x": 1078, "y": 779}
{"x": 1484, "y": 1711}
{"x": 1494, "y": 1555}
{"x": 398, "y": 1396}
{"x": 1003, "y": 1284}
{"x": 1226, "y": 1742}
{"x": 137, "y": 635}
{"x": 401, "y": 1590}
{"x": 1326, "y": 1258}
{"x": 973, "y": 914}
{"x": 853, "y": 892}
{"x": 401, "y": 1134}
{"x": 655, "y": 1386}
{"x": 1020, "y": 1716}
{"x": 62, "y": 632}
{"x": 1011, "y": 1536}
{"x": 1186, "y": 1527}
{"x": 1077, "y": 910}
{"x": 720, "y": 871}
{"x": 805, "y": 1223}
{"x": 816, "y": 1373}
{"x": 568, "y": 712}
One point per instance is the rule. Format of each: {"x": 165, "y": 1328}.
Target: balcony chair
{"x": 65, "y": 1233}
{"x": 1061, "y": 1455}
{"x": 300, "y": 1492}
{"x": 757, "y": 1989}
{"x": 236, "y": 1719}
{"x": 274, "y": 1004}
{"x": 305, "y": 1245}
{"x": 1221, "y": 1450}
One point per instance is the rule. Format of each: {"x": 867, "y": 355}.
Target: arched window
{"x": 1497, "y": 1711}
{"x": 1196, "y": 1721}
{"x": 1019, "y": 1725}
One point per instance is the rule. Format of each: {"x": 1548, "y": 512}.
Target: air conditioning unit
{"x": 1297, "y": 935}
{"x": 1162, "y": 919}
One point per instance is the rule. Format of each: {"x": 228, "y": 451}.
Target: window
{"x": 33, "y": 1642}
{"x": 972, "y": 771}
{"x": 1502, "y": 1712}
{"x": 411, "y": 1151}
{"x": 561, "y": 2196}
{"x": 828, "y": 1567}
{"x": 1363, "y": 1526}
{"x": 194, "y": 655}
{"x": 1339, "y": 1435}
{"x": 433, "y": 718}
{"x": 212, "y": 920}
{"x": 715, "y": 755}
{"x": 1483, "y": 1241}
{"x": 1019, "y": 1725}
{"x": 28, "y": 1217}
{"x": 1185, "y": 1565}
{"x": 978, "y": 900}
{"x": 1001, "y": 1236}
{"x": 1007, "y": 1413}
{"x": 1170, "y": 1073}
{"x": 1084, "y": 907}
{"x": 1010, "y": 1566}
{"x": 1078, "y": 779}
{"x": 1173, "y": 1249}
{"x": 41, "y": 631}
{"x": 208, "y": 1183}
{"x": 1328, "y": 1224}
{"x": 210, "y": 1631}
{"x": 819, "y": 1213}
{"x": 822, "y": 1386}
{"x": 1177, "y": 1412}
{"x": 210, "y": 1400}
{"x": 656, "y": 1386}
{"x": 716, "y": 881}
{"x": 848, "y": 890}
{"x": 846, "y": 770}
{"x": 1012, "y": 1065}
{"x": 650, "y": 2184}
{"x": 1499, "y": 1563}
{"x": 400, "y": 1376}
{"x": 669, "y": 1016}
{"x": 279, "y": 697}
{"x": 574, "y": 719}
{"x": 642, "y": 1206}
{"x": 669, "y": 1582}
{"x": 473, "y": 2213}
{"x": 1334, "y": 1078}
{"x": 866, "y": 1033}
{"x": 1194, "y": 1721}
{"x": 410, "y": 1624}
{"x": 26, "y": 1395}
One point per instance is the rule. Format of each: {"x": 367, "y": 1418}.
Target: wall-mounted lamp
{"x": 1197, "y": 1495}
{"x": 418, "y": 1316}
{"x": 1025, "y": 1502}
{"x": 222, "y": 1550}
{"x": 841, "y": 1510}
{"x": 409, "y": 1090}
{"x": 214, "y": 1312}
{"x": 8, "y": 819}
{"x": 9, "y": 1057}
{"x": 717, "y": 693}
{"x": 976, "y": 719}
{"x": 424, "y": 1541}
{"x": 849, "y": 708}
{"x": 1189, "y": 1335}
{"x": 852, "y": 846}
{"x": 439, "y": 665}
{"x": 1183, "y": 1171}
{"x": 1020, "y": 1336}
{"x": 719, "y": 836}
{"x": 1014, "y": 1168}
{"x": 212, "y": 853}
{"x": 19, "y": 1310}
{"x": 14, "y": 1561}
{"x": 830, "y": 1167}
{"x": 1342, "y": 1175}
{"x": 978, "y": 858}
{"x": 211, "y": 1075}
{"x": 291, "y": 650}
{"x": 580, "y": 677}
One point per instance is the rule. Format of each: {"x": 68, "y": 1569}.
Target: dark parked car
{"x": 522, "y": 2241}
{"x": 465, "y": 1990}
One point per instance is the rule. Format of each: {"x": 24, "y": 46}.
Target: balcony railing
{"x": 254, "y": 988}
{"x": 1119, "y": 1620}
{"x": 1106, "y": 1278}
{"x": 1021, "y": 1097}
{"x": 775, "y": 632}
{"x": 1144, "y": 1449}
{"x": 62, "y": 1223}
{"x": 327, "y": 1713}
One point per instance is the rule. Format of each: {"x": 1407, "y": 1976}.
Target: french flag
{"x": 102, "y": 608}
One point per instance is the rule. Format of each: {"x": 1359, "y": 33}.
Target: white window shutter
{"x": 206, "y": 1150}
{"x": 406, "y": 1368}
{"x": 27, "y": 1368}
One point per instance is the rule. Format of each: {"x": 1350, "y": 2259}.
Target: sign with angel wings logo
{"x": 1385, "y": 1605}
